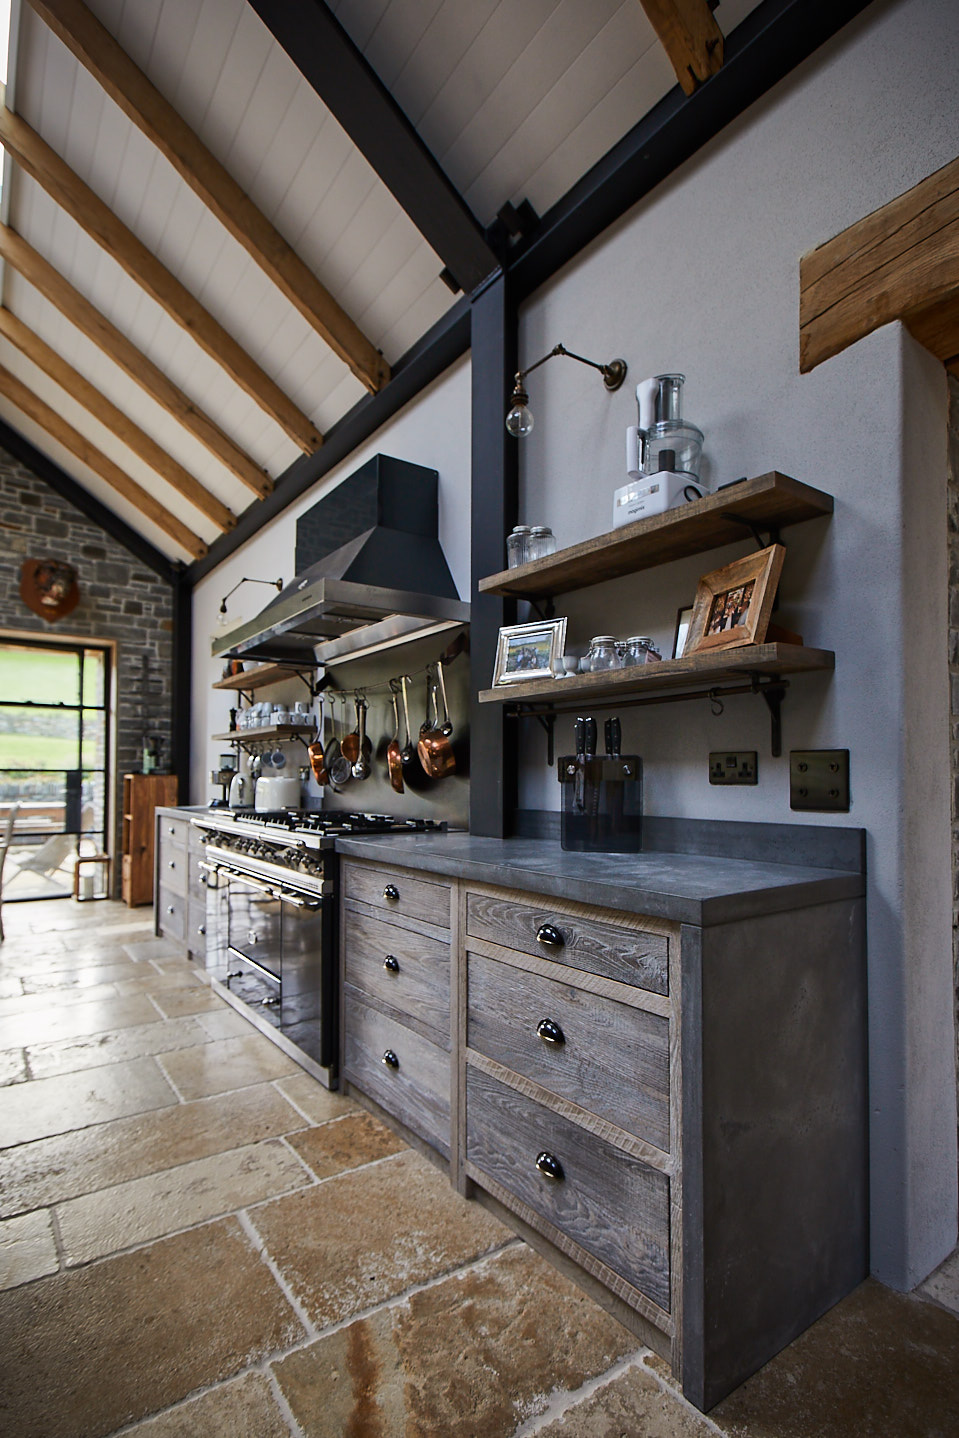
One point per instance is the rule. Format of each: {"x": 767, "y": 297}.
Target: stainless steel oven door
{"x": 255, "y": 927}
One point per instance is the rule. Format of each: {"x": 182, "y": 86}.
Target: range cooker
{"x": 273, "y": 877}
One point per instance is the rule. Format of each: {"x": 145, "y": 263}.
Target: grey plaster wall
{"x": 702, "y": 277}
{"x": 121, "y": 600}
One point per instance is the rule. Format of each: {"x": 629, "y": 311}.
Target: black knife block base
{"x": 602, "y": 804}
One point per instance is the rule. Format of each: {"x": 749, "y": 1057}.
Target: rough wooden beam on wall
{"x": 79, "y": 388}
{"x": 78, "y": 445}
{"x": 141, "y": 102}
{"x": 88, "y": 319}
{"x": 899, "y": 263}
{"x": 45, "y": 166}
{"x": 690, "y": 36}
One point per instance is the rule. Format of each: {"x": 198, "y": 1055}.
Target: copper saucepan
{"x": 351, "y": 742}
{"x": 434, "y": 747}
{"x": 315, "y": 751}
{"x": 394, "y": 756}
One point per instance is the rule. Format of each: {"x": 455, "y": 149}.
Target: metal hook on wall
{"x": 716, "y": 703}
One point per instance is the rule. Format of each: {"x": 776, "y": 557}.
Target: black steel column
{"x": 181, "y": 687}
{"x": 493, "y": 513}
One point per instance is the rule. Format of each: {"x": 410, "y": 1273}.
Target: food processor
{"x": 663, "y": 453}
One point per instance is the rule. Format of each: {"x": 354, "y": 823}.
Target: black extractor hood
{"x": 385, "y": 581}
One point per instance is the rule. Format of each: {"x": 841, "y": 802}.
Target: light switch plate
{"x": 729, "y": 767}
{"x": 819, "y": 779}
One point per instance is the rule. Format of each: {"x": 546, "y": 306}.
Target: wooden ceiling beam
{"x": 141, "y": 102}
{"x": 124, "y": 353}
{"x": 78, "y": 445}
{"x": 899, "y": 263}
{"x": 79, "y": 388}
{"x": 690, "y": 36}
{"x": 45, "y": 166}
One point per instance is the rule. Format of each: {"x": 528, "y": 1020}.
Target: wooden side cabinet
{"x": 142, "y": 795}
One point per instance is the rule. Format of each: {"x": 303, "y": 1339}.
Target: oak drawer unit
{"x": 181, "y": 887}
{"x": 572, "y": 1087}
{"x": 142, "y": 795}
{"x": 395, "y": 969}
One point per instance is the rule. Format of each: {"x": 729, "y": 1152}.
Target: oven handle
{"x": 286, "y": 896}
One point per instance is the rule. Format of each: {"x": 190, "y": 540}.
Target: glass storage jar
{"x": 603, "y": 654}
{"x": 517, "y": 546}
{"x": 640, "y": 649}
{"x": 541, "y": 542}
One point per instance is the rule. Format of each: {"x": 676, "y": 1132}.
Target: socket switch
{"x": 730, "y": 768}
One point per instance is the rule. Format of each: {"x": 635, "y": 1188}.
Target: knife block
{"x": 602, "y": 803}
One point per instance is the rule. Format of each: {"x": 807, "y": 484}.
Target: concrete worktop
{"x": 691, "y": 888}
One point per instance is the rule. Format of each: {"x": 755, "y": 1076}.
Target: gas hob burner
{"x": 319, "y": 821}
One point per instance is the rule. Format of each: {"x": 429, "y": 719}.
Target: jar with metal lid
{"x": 517, "y": 546}
{"x": 603, "y": 654}
{"x": 640, "y": 649}
{"x": 541, "y": 542}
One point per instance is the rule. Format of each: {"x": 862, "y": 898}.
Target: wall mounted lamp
{"x": 519, "y": 421}
{"x": 224, "y": 619}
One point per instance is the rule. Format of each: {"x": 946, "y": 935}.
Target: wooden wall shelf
{"x": 768, "y": 502}
{"x": 252, "y": 679}
{"x": 712, "y": 667}
{"x": 283, "y": 732}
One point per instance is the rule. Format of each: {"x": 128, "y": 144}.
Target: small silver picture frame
{"x": 530, "y": 651}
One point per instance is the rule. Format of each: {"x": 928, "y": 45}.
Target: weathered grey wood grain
{"x": 613, "y": 1060}
{"x": 417, "y": 989}
{"x": 607, "y": 1202}
{"x": 630, "y": 956}
{"x": 416, "y": 897}
{"x": 417, "y": 1092}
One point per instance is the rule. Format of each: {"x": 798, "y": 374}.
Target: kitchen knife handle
{"x": 614, "y": 737}
{"x": 590, "y": 736}
{"x": 579, "y": 732}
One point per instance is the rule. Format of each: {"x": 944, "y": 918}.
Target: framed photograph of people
{"x": 530, "y": 651}
{"x": 733, "y": 604}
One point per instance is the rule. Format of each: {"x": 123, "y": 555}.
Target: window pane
{"x": 43, "y": 676}
{"x": 94, "y": 677}
{"x": 38, "y": 738}
{"x": 94, "y": 739}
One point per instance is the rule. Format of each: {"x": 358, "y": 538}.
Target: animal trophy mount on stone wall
{"x": 49, "y": 587}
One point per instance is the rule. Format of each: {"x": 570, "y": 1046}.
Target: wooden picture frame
{"x": 529, "y": 651}
{"x": 733, "y": 604}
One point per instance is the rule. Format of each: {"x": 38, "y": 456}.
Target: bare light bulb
{"x": 519, "y": 421}
{"x": 223, "y": 619}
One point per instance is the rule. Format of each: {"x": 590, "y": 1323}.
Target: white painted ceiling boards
{"x": 516, "y": 99}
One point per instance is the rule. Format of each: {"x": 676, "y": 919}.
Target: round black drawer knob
{"x": 550, "y": 1167}
{"x": 550, "y": 1033}
{"x": 550, "y": 937}
{"x": 391, "y": 893}
{"x": 201, "y": 929}
{"x": 392, "y": 964}
{"x": 390, "y": 1059}
{"x": 173, "y": 863}
{"x": 170, "y": 909}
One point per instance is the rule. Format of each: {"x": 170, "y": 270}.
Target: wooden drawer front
{"x": 611, "y": 1059}
{"x": 417, "y": 1090}
{"x": 408, "y": 971}
{"x": 196, "y": 877}
{"x": 415, "y": 898}
{"x": 196, "y": 927}
{"x": 172, "y": 866}
{"x": 630, "y": 956}
{"x": 171, "y": 912}
{"x": 608, "y": 1202}
{"x": 176, "y": 831}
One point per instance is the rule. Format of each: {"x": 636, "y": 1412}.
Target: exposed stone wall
{"x": 121, "y": 600}
{"x": 954, "y": 677}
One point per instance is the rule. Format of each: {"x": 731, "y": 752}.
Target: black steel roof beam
{"x": 14, "y": 443}
{"x": 354, "y": 94}
{"x": 770, "y": 42}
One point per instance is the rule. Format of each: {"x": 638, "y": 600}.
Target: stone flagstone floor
{"x": 198, "y": 1241}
